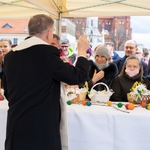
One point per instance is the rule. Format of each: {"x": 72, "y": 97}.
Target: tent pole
{"x": 58, "y": 26}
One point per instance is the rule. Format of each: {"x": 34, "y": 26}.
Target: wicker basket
{"x": 81, "y": 96}
{"x": 99, "y": 97}
{"x": 132, "y": 98}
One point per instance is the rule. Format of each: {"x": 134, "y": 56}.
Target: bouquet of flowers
{"x": 138, "y": 93}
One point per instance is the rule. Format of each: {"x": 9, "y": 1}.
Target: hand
{"x": 83, "y": 45}
{"x": 97, "y": 76}
{"x": 64, "y": 58}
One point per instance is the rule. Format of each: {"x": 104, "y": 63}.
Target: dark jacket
{"x": 32, "y": 87}
{"x": 109, "y": 74}
{"x": 122, "y": 85}
{"x": 73, "y": 57}
{"x": 121, "y": 61}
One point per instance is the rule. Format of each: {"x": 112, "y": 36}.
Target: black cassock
{"x": 32, "y": 86}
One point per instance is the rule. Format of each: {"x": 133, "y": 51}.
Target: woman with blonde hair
{"x": 5, "y": 44}
{"x": 132, "y": 71}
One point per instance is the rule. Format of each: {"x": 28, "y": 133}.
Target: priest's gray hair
{"x": 39, "y": 23}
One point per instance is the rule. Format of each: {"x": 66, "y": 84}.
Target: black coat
{"x": 122, "y": 85}
{"x": 109, "y": 74}
{"x": 121, "y": 61}
{"x": 72, "y": 58}
{"x": 32, "y": 87}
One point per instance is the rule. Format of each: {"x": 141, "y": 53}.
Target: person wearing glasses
{"x": 130, "y": 48}
{"x": 56, "y": 42}
{"x": 69, "y": 52}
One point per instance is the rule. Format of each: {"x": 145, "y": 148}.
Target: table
{"x": 100, "y": 128}
{"x": 105, "y": 128}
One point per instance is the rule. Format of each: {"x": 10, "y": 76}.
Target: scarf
{"x": 137, "y": 77}
{"x": 102, "y": 66}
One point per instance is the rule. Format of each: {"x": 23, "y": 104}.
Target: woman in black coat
{"x": 132, "y": 71}
{"x": 101, "y": 70}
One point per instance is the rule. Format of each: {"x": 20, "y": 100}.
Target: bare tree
{"x": 118, "y": 38}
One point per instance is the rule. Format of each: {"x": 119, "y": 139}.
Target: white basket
{"x": 97, "y": 96}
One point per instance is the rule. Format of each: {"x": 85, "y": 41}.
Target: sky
{"x": 141, "y": 30}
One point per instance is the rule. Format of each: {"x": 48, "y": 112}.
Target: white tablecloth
{"x": 100, "y": 128}
{"x": 105, "y": 128}
{"x": 3, "y": 115}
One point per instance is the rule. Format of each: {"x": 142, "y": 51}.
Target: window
{"x": 15, "y": 41}
{"x": 108, "y": 26}
{"x": 91, "y": 22}
{"x": 99, "y": 26}
{"x": 121, "y": 25}
{"x": 7, "y": 25}
{"x": 121, "y": 29}
{"x": 91, "y": 40}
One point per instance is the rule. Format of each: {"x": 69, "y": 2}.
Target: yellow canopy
{"x": 21, "y": 9}
{"x": 18, "y": 9}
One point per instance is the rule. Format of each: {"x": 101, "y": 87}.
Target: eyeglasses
{"x": 129, "y": 47}
{"x": 64, "y": 46}
{"x": 138, "y": 53}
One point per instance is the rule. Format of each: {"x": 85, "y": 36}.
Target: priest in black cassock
{"x": 32, "y": 75}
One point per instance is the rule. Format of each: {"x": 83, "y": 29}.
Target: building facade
{"x": 15, "y": 30}
{"x": 115, "y": 29}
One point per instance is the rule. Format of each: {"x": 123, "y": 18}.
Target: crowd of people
{"x": 32, "y": 74}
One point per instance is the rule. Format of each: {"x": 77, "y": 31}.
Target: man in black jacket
{"x": 33, "y": 72}
{"x": 130, "y": 48}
